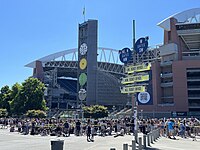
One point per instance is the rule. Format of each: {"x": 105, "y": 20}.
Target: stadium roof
{"x": 105, "y": 55}
{"x": 182, "y": 17}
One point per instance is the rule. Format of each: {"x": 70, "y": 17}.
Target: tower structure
{"x": 87, "y": 60}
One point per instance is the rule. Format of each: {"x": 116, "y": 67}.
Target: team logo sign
{"x": 82, "y": 79}
{"x": 83, "y": 49}
{"x": 83, "y": 63}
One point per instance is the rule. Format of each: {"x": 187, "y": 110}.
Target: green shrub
{"x": 36, "y": 114}
{"x": 3, "y": 113}
{"x": 95, "y": 111}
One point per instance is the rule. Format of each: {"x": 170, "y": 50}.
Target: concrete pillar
{"x": 144, "y": 141}
{"x": 148, "y": 139}
{"x": 125, "y": 146}
{"x": 133, "y": 145}
{"x": 151, "y": 137}
{"x": 136, "y": 136}
{"x": 154, "y": 138}
{"x": 140, "y": 143}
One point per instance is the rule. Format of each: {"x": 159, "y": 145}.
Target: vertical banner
{"x": 146, "y": 98}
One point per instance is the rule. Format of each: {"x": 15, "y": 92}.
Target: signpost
{"x": 131, "y": 81}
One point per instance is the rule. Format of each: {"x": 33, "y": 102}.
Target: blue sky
{"x": 31, "y": 29}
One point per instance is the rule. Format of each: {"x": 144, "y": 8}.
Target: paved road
{"x": 15, "y": 141}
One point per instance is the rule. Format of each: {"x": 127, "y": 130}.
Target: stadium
{"x": 59, "y": 73}
{"x": 175, "y": 71}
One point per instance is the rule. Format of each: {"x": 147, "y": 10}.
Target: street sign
{"x": 82, "y": 94}
{"x": 138, "y": 68}
{"x": 125, "y": 55}
{"x": 141, "y": 45}
{"x": 137, "y": 78}
{"x": 133, "y": 89}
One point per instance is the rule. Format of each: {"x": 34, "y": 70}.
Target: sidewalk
{"x": 9, "y": 141}
{"x": 164, "y": 143}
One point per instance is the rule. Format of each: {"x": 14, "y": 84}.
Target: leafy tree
{"x": 95, "y": 111}
{"x": 5, "y": 98}
{"x": 28, "y": 96}
{"x": 33, "y": 91}
{"x": 16, "y": 104}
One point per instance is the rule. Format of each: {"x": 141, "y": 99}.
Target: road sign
{"x": 138, "y": 68}
{"x": 141, "y": 45}
{"x": 82, "y": 94}
{"x": 125, "y": 55}
{"x": 133, "y": 89}
{"x": 137, "y": 78}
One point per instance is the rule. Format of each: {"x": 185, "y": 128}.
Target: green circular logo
{"x": 82, "y": 79}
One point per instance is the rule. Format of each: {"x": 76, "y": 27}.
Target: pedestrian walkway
{"x": 17, "y": 141}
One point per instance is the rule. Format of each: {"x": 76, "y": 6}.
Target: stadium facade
{"x": 175, "y": 70}
{"x": 176, "y": 73}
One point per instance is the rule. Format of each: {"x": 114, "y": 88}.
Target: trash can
{"x": 57, "y": 144}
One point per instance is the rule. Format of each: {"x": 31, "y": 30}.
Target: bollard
{"x": 157, "y": 135}
{"x": 154, "y": 135}
{"x": 144, "y": 141}
{"x": 151, "y": 137}
{"x": 112, "y": 149}
{"x": 57, "y": 145}
{"x": 148, "y": 139}
{"x": 125, "y": 146}
{"x": 133, "y": 145}
{"x": 140, "y": 143}
{"x": 136, "y": 137}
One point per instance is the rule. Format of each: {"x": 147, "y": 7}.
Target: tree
{"x": 16, "y": 104}
{"x": 29, "y": 96}
{"x": 5, "y": 98}
{"x": 95, "y": 111}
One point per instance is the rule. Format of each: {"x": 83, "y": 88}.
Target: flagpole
{"x": 84, "y": 13}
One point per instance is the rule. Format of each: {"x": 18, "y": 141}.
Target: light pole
{"x": 134, "y": 108}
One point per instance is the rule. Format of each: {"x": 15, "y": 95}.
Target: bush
{"x": 95, "y": 111}
{"x": 36, "y": 114}
{"x": 3, "y": 113}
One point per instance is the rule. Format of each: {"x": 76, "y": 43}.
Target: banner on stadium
{"x": 139, "y": 68}
{"x": 133, "y": 79}
{"x": 146, "y": 98}
{"x": 132, "y": 89}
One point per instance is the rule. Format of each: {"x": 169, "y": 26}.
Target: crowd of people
{"x": 169, "y": 128}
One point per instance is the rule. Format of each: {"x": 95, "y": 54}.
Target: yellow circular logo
{"x": 83, "y": 63}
